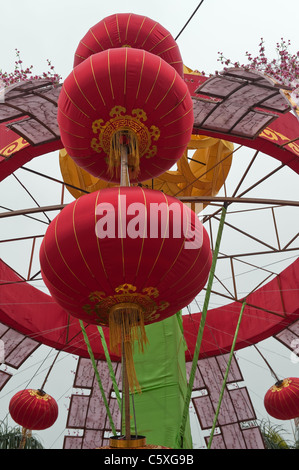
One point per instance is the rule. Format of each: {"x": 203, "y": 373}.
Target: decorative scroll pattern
{"x": 120, "y": 121}
{"x": 280, "y": 139}
{"x": 238, "y": 102}
{"x": 13, "y": 147}
{"x": 87, "y": 412}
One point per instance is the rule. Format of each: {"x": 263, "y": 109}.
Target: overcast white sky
{"x": 52, "y": 30}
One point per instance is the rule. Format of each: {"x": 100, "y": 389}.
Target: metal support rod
{"x": 276, "y": 229}
{"x": 124, "y": 172}
{"x": 125, "y": 181}
{"x": 226, "y": 375}
{"x": 201, "y": 327}
{"x": 270, "y": 368}
{"x": 49, "y": 371}
{"x": 31, "y": 258}
{"x": 126, "y": 395}
{"x": 204, "y": 199}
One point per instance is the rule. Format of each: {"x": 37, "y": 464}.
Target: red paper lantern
{"x": 113, "y": 245}
{"x": 127, "y": 92}
{"x": 130, "y": 30}
{"x": 125, "y": 257}
{"x": 33, "y": 409}
{"x": 282, "y": 399}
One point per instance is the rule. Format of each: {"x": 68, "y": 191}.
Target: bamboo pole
{"x": 93, "y": 361}
{"x": 110, "y": 366}
{"x": 201, "y": 327}
{"x": 226, "y": 375}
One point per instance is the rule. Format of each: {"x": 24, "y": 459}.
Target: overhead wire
{"x": 186, "y": 24}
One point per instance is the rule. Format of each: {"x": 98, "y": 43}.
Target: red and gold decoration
{"x": 130, "y": 30}
{"x": 129, "y": 94}
{"x": 203, "y": 174}
{"x": 13, "y": 147}
{"x": 129, "y": 256}
{"x": 33, "y": 410}
{"x": 282, "y": 399}
{"x": 112, "y": 258}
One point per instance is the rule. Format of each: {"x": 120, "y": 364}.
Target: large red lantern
{"x": 125, "y": 257}
{"x": 33, "y": 409}
{"x": 130, "y": 30}
{"x": 125, "y": 244}
{"x": 282, "y": 399}
{"x": 125, "y": 93}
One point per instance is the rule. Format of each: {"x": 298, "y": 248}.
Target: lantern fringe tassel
{"x": 130, "y": 140}
{"x": 126, "y": 326}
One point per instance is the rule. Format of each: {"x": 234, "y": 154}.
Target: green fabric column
{"x": 161, "y": 372}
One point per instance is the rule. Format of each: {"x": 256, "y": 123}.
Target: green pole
{"x": 110, "y": 366}
{"x": 201, "y": 326}
{"x": 226, "y": 375}
{"x": 93, "y": 361}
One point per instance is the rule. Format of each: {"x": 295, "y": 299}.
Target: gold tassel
{"x": 130, "y": 139}
{"x": 126, "y": 325}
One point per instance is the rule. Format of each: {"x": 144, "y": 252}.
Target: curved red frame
{"x": 46, "y": 322}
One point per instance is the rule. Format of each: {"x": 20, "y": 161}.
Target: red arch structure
{"x": 32, "y": 131}
{"x": 40, "y": 318}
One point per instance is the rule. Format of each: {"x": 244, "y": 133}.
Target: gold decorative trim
{"x": 121, "y": 121}
{"x": 40, "y": 395}
{"x": 118, "y": 442}
{"x": 100, "y": 305}
{"x": 281, "y": 385}
{"x": 13, "y": 147}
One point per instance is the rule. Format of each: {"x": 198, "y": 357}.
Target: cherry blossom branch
{"x": 284, "y": 69}
{"x": 21, "y": 74}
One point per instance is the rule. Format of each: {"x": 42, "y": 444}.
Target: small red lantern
{"x": 282, "y": 399}
{"x": 33, "y": 409}
{"x": 130, "y": 30}
{"x": 125, "y": 93}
